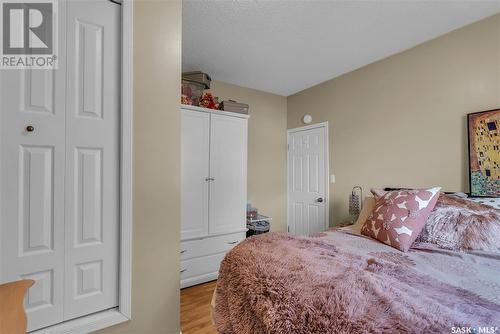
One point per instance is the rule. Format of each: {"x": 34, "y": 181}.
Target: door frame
{"x": 323, "y": 125}
{"x": 123, "y": 312}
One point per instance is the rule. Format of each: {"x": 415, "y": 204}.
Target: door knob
{"x": 30, "y": 128}
{"x": 319, "y": 200}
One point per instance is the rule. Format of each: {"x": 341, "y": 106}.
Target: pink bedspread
{"x": 343, "y": 283}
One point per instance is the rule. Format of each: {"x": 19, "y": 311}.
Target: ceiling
{"x": 284, "y": 47}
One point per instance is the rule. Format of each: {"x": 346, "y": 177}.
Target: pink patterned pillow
{"x": 399, "y": 216}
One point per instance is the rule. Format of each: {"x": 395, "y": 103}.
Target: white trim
{"x": 214, "y": 111}
{"x": 323, "y": 125}
{"x": 87, "y": 324}
{"x": 309, "y": 127}
{"x": 123, "y": 312}
{"x": 125, "y": 292}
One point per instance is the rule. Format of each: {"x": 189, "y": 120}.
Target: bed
{"x": 340, "y": 281}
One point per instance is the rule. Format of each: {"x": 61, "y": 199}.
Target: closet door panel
{"x": 92, "y": 172}
{"x": 32, "y": 184}
{"x": 228, "y": 167}
{"x": 195, "y": 152}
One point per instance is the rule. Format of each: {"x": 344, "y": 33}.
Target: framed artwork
{"x": 484, "y": 153}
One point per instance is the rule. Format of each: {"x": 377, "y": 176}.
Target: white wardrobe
{"x": 60, "y": 171}
{"x": 214, "y": 190}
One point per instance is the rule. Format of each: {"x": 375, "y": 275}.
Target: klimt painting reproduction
{"x": 484, "y": 153}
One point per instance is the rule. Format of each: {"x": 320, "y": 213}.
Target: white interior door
{"x": 307, "y": 180}
{"x": 195, "y": 152}
{"x": 92, "y": 152}
{"x": 228, "y": 169}
{"x": 32, "y": 184}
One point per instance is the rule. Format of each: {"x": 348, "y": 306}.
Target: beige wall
{"x": 157, "y": 67}
{"x": 402, "y": 121}
{"x": 266, "y": 149}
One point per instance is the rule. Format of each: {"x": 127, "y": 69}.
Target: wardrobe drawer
{"x": 201, "y": 266}
{"x": 210, "y": 245}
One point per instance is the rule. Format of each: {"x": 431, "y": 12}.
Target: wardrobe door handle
{"x": 209, "y": 179}
{"x": 232, "y": 242}
{"x": 183, "y": 270}
{"x": 30, "y": 128}
{"x": 183, "y": 251}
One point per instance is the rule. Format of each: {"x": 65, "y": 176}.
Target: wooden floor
{"x": 196, "y": 317}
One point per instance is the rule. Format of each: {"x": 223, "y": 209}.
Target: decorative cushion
{"x": 460, "y": 224}
{"x": 399, "y": 216}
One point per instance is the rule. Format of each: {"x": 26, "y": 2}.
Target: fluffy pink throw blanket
{"x": 277, "y": 283}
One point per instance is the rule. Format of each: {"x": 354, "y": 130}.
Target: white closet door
{"x": 92, "y": 172}
{"x": 228, "y": 167}
{"x": 32, "y": 184}
{"x": 195, "y": 153}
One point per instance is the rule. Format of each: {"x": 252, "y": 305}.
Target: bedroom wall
{"x": 402, "y": 121}
{"x": 266, "y": 149}
{"x": 157, "y": 72}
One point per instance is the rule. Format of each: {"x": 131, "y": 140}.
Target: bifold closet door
{"x": 228, "y": 168}
{"x": 59, "y": 169}
{"x": 92, "y": 150}
{"x": 32, "y": 168}
{"x": 195, "y": 151}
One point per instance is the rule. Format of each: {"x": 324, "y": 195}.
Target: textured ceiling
{"x": 284, "y": 47}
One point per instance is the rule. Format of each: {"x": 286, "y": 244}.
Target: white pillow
{"x": 491, "y": 201}
{"x": 368, "y": 206}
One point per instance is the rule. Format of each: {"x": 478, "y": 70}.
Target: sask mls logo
{"x": 29, "y": 34}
